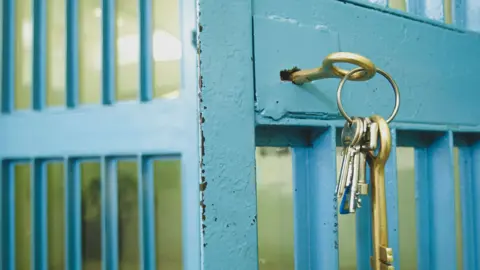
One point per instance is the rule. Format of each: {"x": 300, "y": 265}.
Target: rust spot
{"x": 286, "y": 74}
{"x": 200, "y": 81}
{"x": 203, "y": 185}
{"x": 203, "y": 146}
{"x": 202, "y": 204}
{"x": 200, "y": 28}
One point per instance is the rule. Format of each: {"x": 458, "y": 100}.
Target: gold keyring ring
{"x": 384, "y": 74}
{"x": 364, "y": 63}
{"x": 329, "y": 70}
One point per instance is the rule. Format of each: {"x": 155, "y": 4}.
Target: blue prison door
{"x": 98, "y": 110}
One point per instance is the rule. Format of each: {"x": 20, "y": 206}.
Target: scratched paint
{"x": 228, "y": 191}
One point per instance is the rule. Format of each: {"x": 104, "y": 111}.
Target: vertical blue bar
{"x": 391, "y": 190}
{"x": 472, "y": 19}
{"x": 39, "y": 215}
{"x": 109, "y": 214}
{"x": 363, "y": 229}
{"x": 192, "y": 247}
{"x": 39, "y": 54}
{"x": 431, "y": 9}
{"x": 469, "y": 162}
{"x": 146, "y": 202}
{"x": 227, "y": 155}
{"x": 73, "y": 215}
{"x": 146, "y": 56}
{"x": 8, "y": 216}
{"x": 8, "y": 55}
{"x": 434, "y": 178}
{"x": 459, "y": 13}
{"x": 72, "y": 63}
{"x": 3, "y": 215}
{"x": 108, "y": 51}
{"x": 465, "y": 14}
{"x": 315, "y": 204}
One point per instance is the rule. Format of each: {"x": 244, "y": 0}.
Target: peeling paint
{"x": 282, "y": 19}
{"x": 321, "y": 27}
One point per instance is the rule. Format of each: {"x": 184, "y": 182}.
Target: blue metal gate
{"x": 99, "y": 131}
{"x": 99, "y": 125}
{"x": 429, "y": 48}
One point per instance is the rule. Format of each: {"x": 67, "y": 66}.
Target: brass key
{"x": 382, "y": 255}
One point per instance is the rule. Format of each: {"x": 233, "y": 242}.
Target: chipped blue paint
{"x": 229, "y": 216}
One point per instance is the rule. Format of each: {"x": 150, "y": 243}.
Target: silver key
{"x": 351, "y": 134}
{"x": 348, "y": 202}
{"x": 371, "y": 134}
{"x": 366, "y": 145}
{"x": 355, "y": 180}
{"x": 362, "y": 186}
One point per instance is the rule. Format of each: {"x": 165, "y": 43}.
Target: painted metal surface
{"x": 221, "y": 232}
{"x": 315, "y": 217}
{"x": 431, "y": 9}
{"x": 435, "y": 203}
{"x": 142, "y": 130}
{"x": 403, "y": 49}
{"x": 466, "y": 14}
{"x": 228, "y": 190}
{"x": 469, "y": 155}
{"x": 412, "y": 46}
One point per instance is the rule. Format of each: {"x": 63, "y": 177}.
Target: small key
{"x": 348, "y": 202}
{"x": 371, "y": 134}
{"x": 350, "y": 171}
{"x": 353, "y": 203}
{"x": 362, "y": 187}
{"x": 350, "y": 134}
{"x": 366, "y": 145}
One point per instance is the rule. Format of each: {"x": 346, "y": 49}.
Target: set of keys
{"x": 358, "y": 138}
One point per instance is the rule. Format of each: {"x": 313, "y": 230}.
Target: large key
{"x": 382, "y": 255}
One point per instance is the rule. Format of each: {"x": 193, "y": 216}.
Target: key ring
{"x": 384, "y": 74}
{"x": 329, "y": 70}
